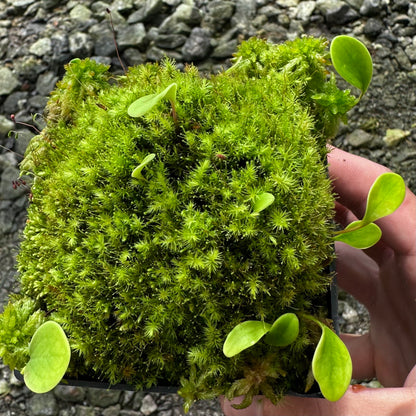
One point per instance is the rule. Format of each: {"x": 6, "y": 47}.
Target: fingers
{"x": 352, "y": 178}
{"x": 361, "y": 351}
{"x": 357, "y": 273}
{"x": 411, "y": 378}
{"x": 381, "y": 402}
{"x": 391, "y": 401}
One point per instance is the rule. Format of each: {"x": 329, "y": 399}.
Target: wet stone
{"x": 373, "y": 28}
{"x": 197, "y": 45}
{"x": 8, "y": 82}
{"x": 71, "y": 394}
{"x": 80, "y": 13}
{"x": 132, "y": 35}
{"x": 46, "y": 83}
{"x": 112, "y": 410}
{"x": 148, "y": 405}
{"x": 85, "y": 411}
{"x": 42, "y": 405}
{"x": 80, "y": 44}
{"x": 103, "y": 398}
{"x": 359, "y": 138}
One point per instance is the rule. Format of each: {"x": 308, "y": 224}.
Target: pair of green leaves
{"x": 50, "y": 354}
{"x": 144, "y": 104}
{"x": 331, "y": 363}
{"x": 282, "y": 333}
{"x": 385, "y": 196}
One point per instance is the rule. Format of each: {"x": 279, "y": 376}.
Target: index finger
{"x": 352, "y": 179}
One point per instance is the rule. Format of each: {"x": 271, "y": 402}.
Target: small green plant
{"x": 153, "y": 233}
{"x": 385, "y": 196}
{"x": 50, "y": 354}
{"x": 331, "y": 363}
{"x": 352, "y": 61}
{"x": 144, "y": 104}
{"x": 137, "y": 172}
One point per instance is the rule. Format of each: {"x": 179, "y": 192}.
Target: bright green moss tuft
{"x": 149, "y": 274}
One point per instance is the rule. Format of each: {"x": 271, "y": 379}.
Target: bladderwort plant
{"x": 170, "y": 236}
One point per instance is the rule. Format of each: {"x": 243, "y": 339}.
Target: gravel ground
{"x": 37, "y": 37}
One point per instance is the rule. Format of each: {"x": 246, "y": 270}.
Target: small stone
{"x": 402, "y": 59}
{"x": 373, "y": 28}
{"x": 394, "y": 136}
{"x": 133, "y": 57}
{"x": 187, "y": 13}
{"x": 103, "y": 41}
{"x": 349, "y": 314}
{"x": 340, "y": 14}
{"x": 197, "y": 46}
{"x": 71, "y": 394}
{"x": 305, "y": 10}
{"x": 23, "y": 139}
{"x": 154, "y": 54}
{"x": 132, "y": 35}
{"x": 80, "y": 13}
{"x": 130, "y": 413}
{"x": 147, "y": 10}
{"x": 148, "y": 405}
{"x": 4, "y": 387}
{"x": 168, "y": 412}
{"x": 410, "y": 51}
{"x": 50, "y": 4}
{"x": 8, "y": 82}
{"x": 225, "y": 50}
{"x": 127, "y": 397}
{"x": 99, "y": 8}
{"x": 103, "y": 398}
{"x": 359, "y": 138}
{"x": 122, "y": 6}
{"x": 80, "y": 44}
{"x": 287, "y": 3}
{"x": 220, "y": 10}
{"x": 28, "y": 68}
{"x": 43, "y": 405}
{"x": 5, "y": 125}
{"x": 112, "y": 411}
{"x": 22, "y": 4}
{"x": 46, "y": 83}
{"x": 41, "y": 47}
{"x": 371, "y": 7}
{"x": 85, "y": 411}
{"x": 170, "y": 41}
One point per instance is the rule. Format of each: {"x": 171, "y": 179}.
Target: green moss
{"x": 147, "y": 276}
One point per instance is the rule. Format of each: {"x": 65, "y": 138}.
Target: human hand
{"x": 383, "y": 278}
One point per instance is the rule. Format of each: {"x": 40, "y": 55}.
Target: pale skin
{"x": 383, "y": 278}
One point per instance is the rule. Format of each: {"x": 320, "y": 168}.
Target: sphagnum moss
{"x": 148, "y": 274}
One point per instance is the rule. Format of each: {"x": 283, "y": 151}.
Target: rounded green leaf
{"x": 331, "y": 365}
{"x": 244, "y": 336}
{"x": 262, "y": 201}
{"x": 137, "y": 172}
{"x": 385, "y": 196}
{"x": 352, "y": 61}
{"x": 284, "y": 330}
{"x": 50, "y": 354}
{"x": 144, "y": 104}
{"x": 362, "y": 238}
